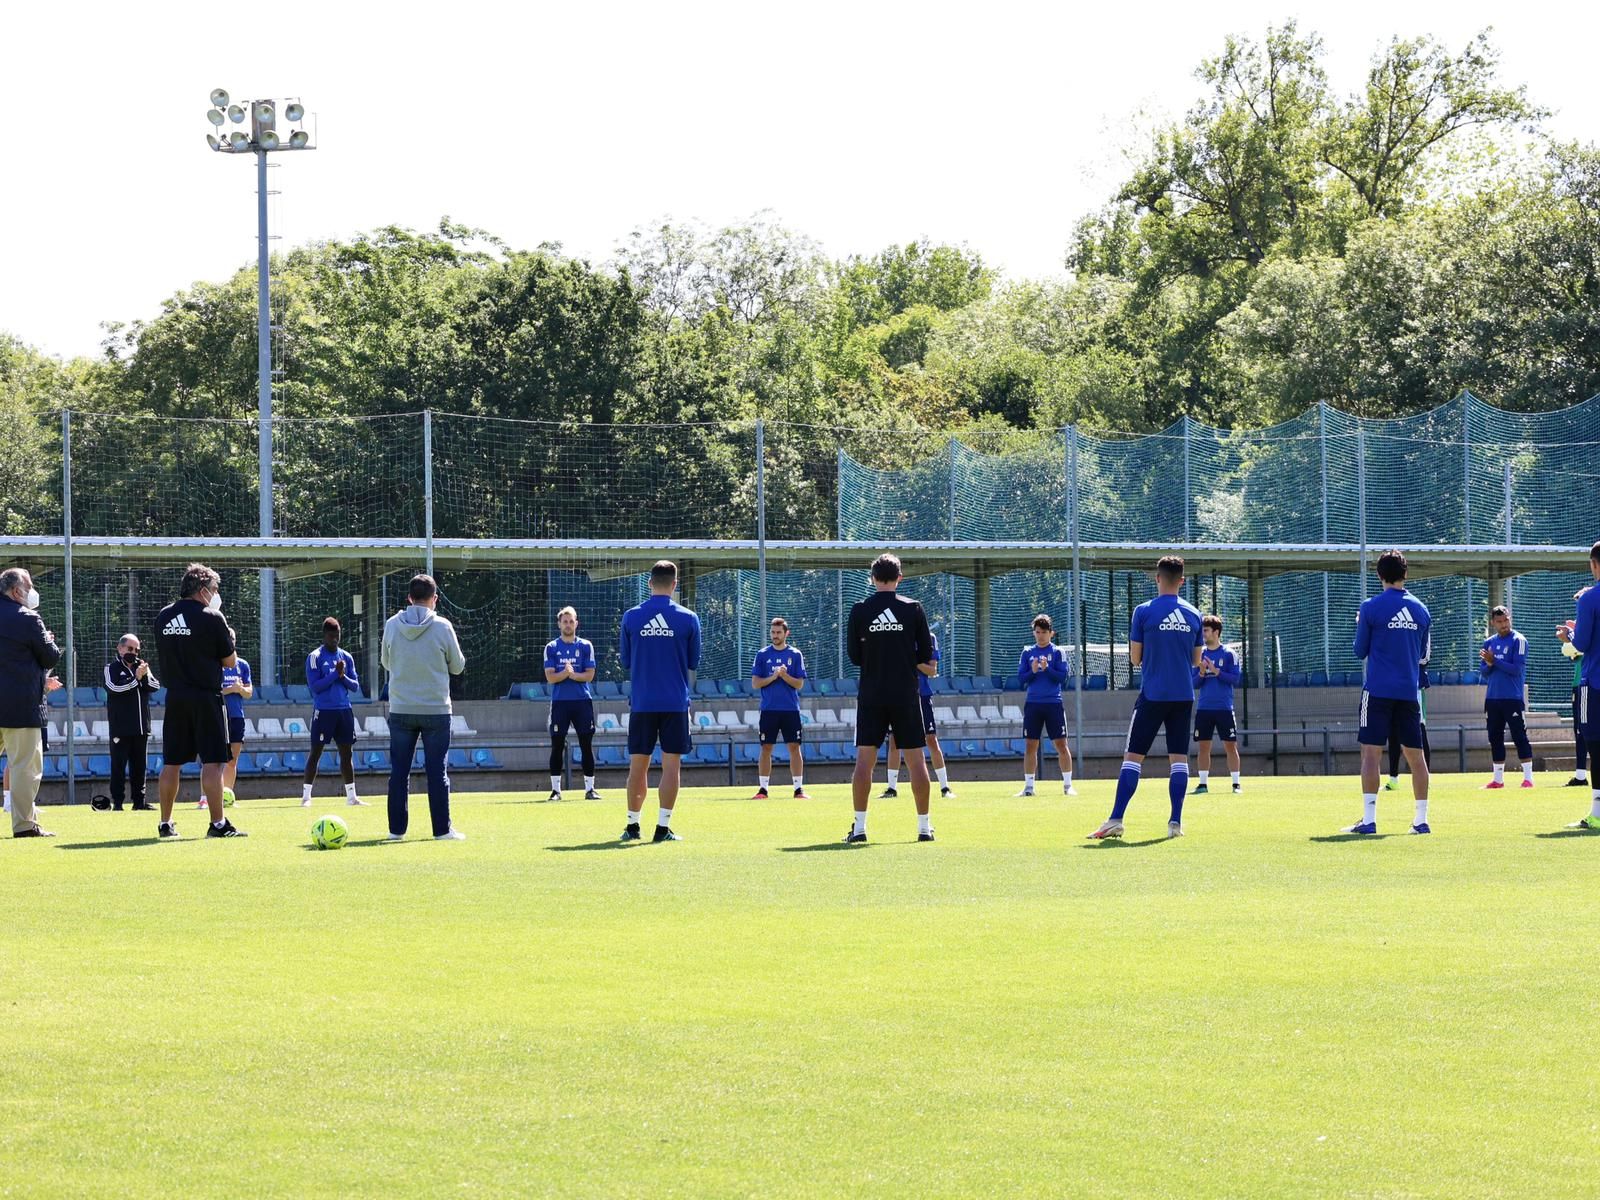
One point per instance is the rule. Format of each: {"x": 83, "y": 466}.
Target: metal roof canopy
{"x": 299, "y": 557}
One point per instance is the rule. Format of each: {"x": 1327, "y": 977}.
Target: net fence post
{"x": 71, "y": 680}
{"x": 947, "y": 658}
{"x": 1361, "y": 502}
{"x": 1511, "y": 534}
{"x": 761, "y": 518}
{"x": 838, "y": 581}
{"x": 1322, "y": 437}
{"x": 1186, "y": 501}
{"x": 1077, "y": 591}
{"x": 427, "y": 487}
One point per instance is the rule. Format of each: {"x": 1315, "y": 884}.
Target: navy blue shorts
{"x": 930, "y": 727}
{"x": 573, "y": 714}
{"x": 778, "y": 725}
{"x": 336, "y": 725}
{"x": 235, "y": 730}
{"x": 1215, "y": 722}
{"x": 1589, "y": 714}
{"x": 1381, "y": 713}
{"x": 1046, "y": 718}
{"x": 670, "y": 729}
{"x": 1149, "y": 716}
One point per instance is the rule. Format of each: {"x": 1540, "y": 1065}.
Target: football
{"x": 228, "y": 797}
{"x": 329, "y": 833}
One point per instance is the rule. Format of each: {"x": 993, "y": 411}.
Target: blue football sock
{"x": 1177, "y": 785}
{"x": 1127, "y": 784}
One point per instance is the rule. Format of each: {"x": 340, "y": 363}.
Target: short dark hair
{"x": 1391, "y": 566}
{"x": 1594, "y": 551}
{"x": 1170, "y": 567}
{"x": 886, "y": 568}
{"x": 1042, "y": 621}
{"x": 1500, "y": 610}
{"x": 665, "y": 571}
{"x": 422, "y": 587}
{"x": 331, "y": 623}
{"x": 1211, "y": 621}
{"x": 196, "y": 578}
{"x": 780, "y": 621}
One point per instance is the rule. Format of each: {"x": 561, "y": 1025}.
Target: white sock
{"x": 1395, "y": 779}
{"x": 1066, "y": 780}
{"x": 1527, "y": 771}
{"x": 764, "y": 779}
{"x": 1422, "y": 811}
{"x": 1581, "y": 775}
{"x": 1369, "y": 807}
{"x": 1027, "y": 782}
{"x": 305, "y": 791}
{"x": 1205, "y": 776}
{"x": 219, "y": 824}
{"x": 8, "y": 802}
{"x": 799, "y": 783}
{"x": 894, "y": 778}
{"x": 664, "y": 819}
{"x": 861, "y": 822}
{"x": 350, "y": 790}
{"x": 1235, "y": 779}
{"x": 555, "y": 783}
{"x": 633, "y": 816}
{"x": 943, "y": 775}
{"x": 1499, "y": 772}
{"x": 924, "y": 822}
{"x": 588, "y": 783}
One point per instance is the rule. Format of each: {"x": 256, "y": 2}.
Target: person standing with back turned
{"x": 660, "y": 646}
{"x": 888, "y": 639}
{"x": 421, "y": 653}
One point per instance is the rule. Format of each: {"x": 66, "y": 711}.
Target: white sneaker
{"x": 1174, "y": 829}
{"x": 356, "y": 802}
{"x": 306, "y": 803}
{"x": 455, "y": 835}
{"x": 1027, "y": 791}
{"x": 1110, "y": 829}
{"x": 1069, "y": 790}
{"x": 395, "y": 837}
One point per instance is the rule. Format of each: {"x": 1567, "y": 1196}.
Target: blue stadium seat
{"x": 611, "y": 756}
{"x": 294, "y": 761}
{"x": 153, "y": 764}
{"x": 1019, "y": 747}
{"x": 716, "y": 753}
{"x": 247, "y": 763}
{"x": 269, "y": 763}
{"x": 159, "y": 697}
{"x": 709, "y": 688}
{"x": 375, "y": 761}
{"x": 88, "y": 697}
{"x": 53, "y": 768}
{"x": 823, "y": 687}
{"x": 966, "y": 685}
{"x": 627, "y": 689}
{"x": 1096, "y": 683}
{"x": 1355, "y": 679}
{"x": 997, "y": 747}
{"x": 939, "y": 685}
{"x": 606, "y": 689}
{"x": 57, "y": 698}
{"x": 328, "y": 762}
{"x": 747, "y": 688}
{"x": 272, "y": 693}
{"x": 1319, "y": 679}
{"x": 731, "y": 689}
{"x": 1300, "y": 679}
{"x": 456, "y": 759}
{"x": 191, "y": 770}
{"x": 483, "y": 758}
{"x": 537, "y": 690}
{"x": 846, "y": 687}
{"x": 99, "y": 766}
{"x": 747, "y": 753}
{"x": 513, "y": 693}
{"x": 419, "y": 760}
{"x": 298, "y": 693}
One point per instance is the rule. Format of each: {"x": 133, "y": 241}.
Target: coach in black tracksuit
{"x": 888, "y": 637}
{"x": 129, "y": 682}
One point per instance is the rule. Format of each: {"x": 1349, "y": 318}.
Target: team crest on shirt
{"x": 1403, "y": 620}
{"x": 1175, "y": 622}
{"x": 884, "y": 622}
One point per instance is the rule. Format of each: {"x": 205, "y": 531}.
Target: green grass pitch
{"x": 1254, "y": 1010}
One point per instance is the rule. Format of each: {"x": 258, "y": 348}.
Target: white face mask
{"x": 215, "y": 603}
{"x": 33, "y": 598}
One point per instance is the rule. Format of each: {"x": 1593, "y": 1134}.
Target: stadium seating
{"x": 608, "y": 723}
{"x": 456, "y": 759}
{"x": 269, "y": 763}
{"x": 247, "y": 764}
{"x": 376, "y": 761}
{"x": 1096, "y": 683}
{"x": 100, "y": 731}
{"x": 298, "y": 693}
{"x": 295, "y": 727}
{"x": 269, "y": 727}
{"x": 709, "y": 688}
{"x": 989, "y": 714}
{"x": 730, "y": 720}
{"x": 483, "y": 758}
{"x": 944, "y": 715}
{"x": 967, "y": 715}
{"x": 611, "y": 756}
{"x": 459, "y": 726}
{"x": 100, "y": 766}
{"x": 606, "y": 689}
{"x": 53, "y": 768}
{"x": 295, "y": 761}
{"x": 153, "y": 764}
{"x": 827, "y": 718}
{"x": 997, "y": 747}
{"x": 702, "y": 720}
{"x": 272, "y": 693}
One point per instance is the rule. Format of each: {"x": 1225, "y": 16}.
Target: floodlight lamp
{"x": 219, "y": 98}
{"x": 211, "y": 140}
{"x": 264, "y": 111}
{"x": 295, "y": 112}
{"x": 235, "y": 114}
{"x": 214, "y": 115}
{"x": 239, "y": 141}
{"x": 298, "y": 139}
{"x": 269, "y": 140}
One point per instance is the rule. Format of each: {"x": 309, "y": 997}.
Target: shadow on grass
{"x": 116, "y": 845}
{"x": 839, "y": 845}
{"x": 353, "y": 844}
{"x": 1351, "y": 837}
{"x": 1102, "y": 842}
{"x": 611, "y": 845}
{"x": 1569, "y": 833}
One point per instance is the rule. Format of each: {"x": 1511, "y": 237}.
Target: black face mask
{"x": 130, "y": 658}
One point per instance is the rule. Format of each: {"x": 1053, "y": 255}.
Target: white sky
{"x": 860, "y": 124}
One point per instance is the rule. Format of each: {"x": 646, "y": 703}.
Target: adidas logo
{"x": 884, "y": 622}
{"x": 1403, "y": 620}
{"x": 656, "y": 627}
{"x": 1175, "y": 622}
{"x": 177, "y": 627}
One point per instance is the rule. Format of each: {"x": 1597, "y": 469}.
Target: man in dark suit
{"x": 27, "y": 652}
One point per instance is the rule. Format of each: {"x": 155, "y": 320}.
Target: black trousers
{"x": 128, "y": 759}
{"x": 1577, "y": 732}
{"x": 1498, "y": 715}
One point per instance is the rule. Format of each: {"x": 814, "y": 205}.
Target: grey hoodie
{"x": 420, "y": 652}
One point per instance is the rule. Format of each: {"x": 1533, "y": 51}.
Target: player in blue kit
{"x": 1505, "y": 671}
{"x": 331, "y": 675}
{"x": 1393, "y": 634}
{"x": 778, "y": 673}
{"x": 1164, "y": 641}
{"x": 1214, "y": 681}
{"x": 1041, "y": 671}
{"x": 930, "y": 727}
{"x": 1585, "y": 639}
{"x": 237, "y": 686}
{"x": 569, "y": 669}
{"x": 660, "y": 646}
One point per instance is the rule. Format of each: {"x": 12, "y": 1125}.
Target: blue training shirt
{"x": 1214, "y": 693}
{"x": 925, "y": 682}
{"x": 1507, "y": 677}
{"x": 328, "y": 691}
{"x": 1586, "y": 635}
{"x": 1169, "y": 629}
{"x": 238, "y": 673}
{"x": 660, "y": 646}
{"x": 577, "y": 654}
{"x": 1393, "y": 635}
{"x": 1044, "y": 686}
{"x": 778, "y": 696}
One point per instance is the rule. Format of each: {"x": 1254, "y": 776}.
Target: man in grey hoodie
{"x": 421, "y": 653}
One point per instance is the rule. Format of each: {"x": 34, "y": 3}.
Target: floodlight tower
{"x": 270, "y": 120}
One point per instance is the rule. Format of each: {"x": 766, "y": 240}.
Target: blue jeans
{"x": 434, "y": 730}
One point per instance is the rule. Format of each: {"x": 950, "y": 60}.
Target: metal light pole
{"x": 270, "y": 120}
